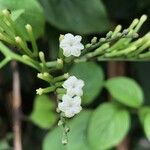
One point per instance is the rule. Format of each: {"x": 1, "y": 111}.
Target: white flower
{"x": 70, "y": 105}
{"x": 39, "y": 91}
{"x": 74, "y": 86}
{"x": 71, "y": 45}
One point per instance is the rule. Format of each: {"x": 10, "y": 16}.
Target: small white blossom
{"x": 39, "y": 91}
{"x": 71, "y": 45}
{"x": 74, "y": 86}
{"x": 70, "y": 105}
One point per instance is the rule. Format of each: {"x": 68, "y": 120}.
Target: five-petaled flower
{"x": 70, "y": 105}
{"x": 74, "y": 86}
{"x": 71, "y": 45}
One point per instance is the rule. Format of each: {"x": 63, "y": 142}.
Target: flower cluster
{"x": 71, "y": 45}
{"x": 71, "y": 101}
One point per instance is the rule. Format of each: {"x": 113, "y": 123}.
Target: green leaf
{"x": 93, "y": 77}
{"x": 42, "y": 114}
{"x": 77, "y": 135}
{"x": 144, "y": 115}
{"x": 76, "y": 15}
{"x": 16, "y": 14}
{"x": 147, "y": 126}
{"x": 125, "y": 90}
{"x": 33, "y": 14}
{"x": 4, "y": 145}
{"x": 108, "y": 126}
{"x": 143, "y": 112}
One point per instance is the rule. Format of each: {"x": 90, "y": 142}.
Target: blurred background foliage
{"x": 49, "y": 19}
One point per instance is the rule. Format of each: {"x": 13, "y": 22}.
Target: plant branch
{"x": 16, "y": 107}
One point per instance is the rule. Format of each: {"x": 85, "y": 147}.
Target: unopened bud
{"x": 102, "y": 39}
{"x": 88, "y": 45}
{"x": 18, "y": 39}
{"x": 6, "y": 12}
{"x": 94, "y": 40}
{"x": 28, "y": 27}
{"x": 61, "y": 37}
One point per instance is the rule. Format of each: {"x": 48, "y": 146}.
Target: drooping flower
{"x": 71, "y": 45}
{"x": 70, "y": 105}
{"x": 74, "y": 86}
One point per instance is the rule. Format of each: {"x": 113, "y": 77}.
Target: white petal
{"x": 79, "y": 46}
{"x": 76, "y": 53}
{"x": 69, "y": 82}
{"x": 66, "y": 98}
{"x": 69, "y": 113}
{"x": 78, "y": 109}
{"x": 77, "y": 100}
{"x": 78, "y": 38}
{"x": 78, "y": 92}
{"x": 80, "y": 83}
{"x": 62, "y": 106}
{"x": 66, "y": 52}
{"x": 68, "y": 36}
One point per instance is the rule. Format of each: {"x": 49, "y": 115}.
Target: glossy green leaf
{"x": 147, "y": 126}
{"x": 93, "y": 77}
{"x": 144, "y": 115}
{"x": 77, "y": 135}
{"x": 43, "y": 114}
{"x": 143, "y": 112}
{"x": 108, "y": 126}
{"x": 33, "y": 14}
{"x": 16, "y": 14}
{"x": 125, "y": 90}
{"x": 76, "y": 15}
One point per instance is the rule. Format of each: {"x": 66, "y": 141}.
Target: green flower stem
{"x": 58, "y": 84}
{"x": 43, "y": 64}
{"x": 41, "y": 91}
{"x": 144, "y": 45}
{"x": 60, "y": 78}
{"x": 32, "y": 39}
{"x": 57, "y": 63}
{"x": 122, "y": 52}
{"x": 116, "y": 31}
{"x": 133, "y": 24}
{"x": 145, "y": 55}
{"x": 140, "y": 23}
{"x": 120, "y": 59}
{"x": 32, "y": 61}
{"x": 4, "y": 37}
{"x": 4, "y": 62}
{"x": 98, "y": 51}
{"x": 12, "y": 56}
{"x": 61, "y": 90}
{"x": 122, "y": 42}
{"x": 45, "y": 76}
{"x": 23, "y": 45}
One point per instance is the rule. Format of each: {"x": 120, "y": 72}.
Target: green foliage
{"x": 125, "y": 90}
{"x": 77, "y": 136}
{"x": 4, "y": 145}
{"x": 77, "y": 16}
{"x": 108, "y": 126}
{"x": 93, "y": 77}
{"x": 33, "y": 14}
{"x": 147, "y": 126}
{"x": 43, "y": 112}
{"x": 16, "y": 14}
{"x": 144, "y": 115}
